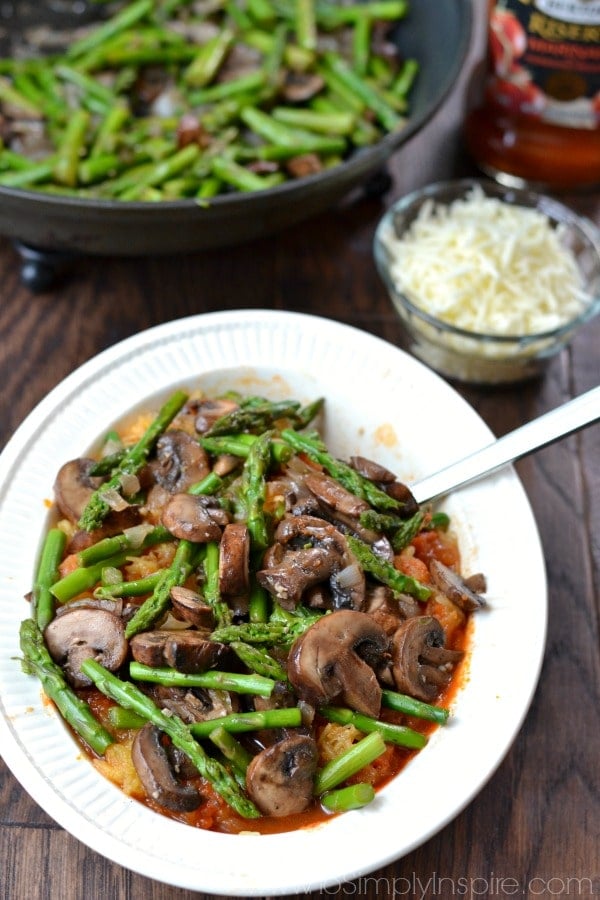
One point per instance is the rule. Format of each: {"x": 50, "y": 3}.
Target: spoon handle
{"x": 552, "y": 426}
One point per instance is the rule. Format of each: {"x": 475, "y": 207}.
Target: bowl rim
{"x": 550, "y": 206}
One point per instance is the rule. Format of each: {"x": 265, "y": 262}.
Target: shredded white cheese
{"x": 487, "y": 266}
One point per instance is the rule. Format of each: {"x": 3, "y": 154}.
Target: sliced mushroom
{"x": 181, "y": 765}
{"x": 372, "y": 470}
{"x": 190, "y": 651}
{"x": 302, "y": 531}
{"x": 118, "y": 521}
{"x": 114, "y": 523}
{"x": 389, "y": 610}
{"x": 282, "y": 697}
{"x": 191, "y": 131}
{"x": 273, "y": 556}
{"x": 209, "y": 411}
{"x": 242, "y": 59}
{"x": 420, "y": 662}
{"x": 234, "y": 559}
{"x": 226, "y": 463}
{"x": 112, "y": 606}
{"x": 335, "y": 659}
{"x": 401, "y": 492}
{"x": 191, "y": 705}
{"x": 304, "y": 164}
{"x": 186, "y": 651}
{"x": 86, "y": 633}
{"x": 180, "y": 461}
{"x": 188, "y": 517}
{"x": 280, "y": 779}
{"x": 301, "y": 86}
{"x": 318, "y": 597}
{"x": 334, "y": 496}
{"x": 190, "y": 607}
{"x": 388, "y": 482}
{"x": 455, "y": 588}
{"x": 297, "y": 571}
{"x": 152, "y": 765}
{"x": 381, "y": 41}
{"x": 148, "y": 647}
{"x": 477, "y": 582}
{"x": 315, "y": 551}
{"x": 263, "y": 166}
{"x": 299, "y": 501}
{"x": 341, "y": 507}
{"x": 157, "y": 498}
{"x": 74, "y": 486}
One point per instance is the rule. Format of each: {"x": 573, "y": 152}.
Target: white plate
{"x": 380, "y": 403}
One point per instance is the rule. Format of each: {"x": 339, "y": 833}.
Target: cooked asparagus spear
{"x": 354, "y": 796}
{"x": 287, "y": 717}
{"x": 393, "y": 734}
{"x": 254, "y": 418}
{"x": 412, "y": 707}
{"x": 400, "y": 531}
{"x": 133, "y": 460}
{"x": 349, "y": 763}
{"x": 158, "y": 602}
{"x": 47, "y": 575}
{"x": 92, "y": 122}
{"x": 76, "y": 712}
{"x": 238, "y": 682}
{"x": 259, "y": 660}
{"x": 254, "y": 490}
{"x": 385, "y": 571}
{"x": 129, "y": 696}
{"x": 212, "y": 595}
{"x": 341, "y": 471}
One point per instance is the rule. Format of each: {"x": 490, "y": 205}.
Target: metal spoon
{"x": 552, "y": 426}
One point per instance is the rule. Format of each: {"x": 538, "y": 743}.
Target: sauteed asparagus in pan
{"x": 166, "y": 99}
{"x": 236, "y": 624}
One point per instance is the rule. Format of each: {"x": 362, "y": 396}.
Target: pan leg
{"x": 42, "y": 269}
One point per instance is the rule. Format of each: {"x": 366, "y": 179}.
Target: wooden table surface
{"x": 533, "y": 829}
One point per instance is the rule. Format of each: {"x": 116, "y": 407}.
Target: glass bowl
{"x": 482, "y": 356}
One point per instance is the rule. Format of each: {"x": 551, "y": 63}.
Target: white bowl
{"x": 381, "y": 403}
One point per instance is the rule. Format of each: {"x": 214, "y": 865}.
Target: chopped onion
{"x": 113, "y": 499}
{"x": 307, "y": 711}
{"x": 173, "y": 624}
{"x": 111, "y": 575}
{"x": 297, "y": 466}
{"x": 137, "y": 534}
{"x": 350, "y": 576}
{"x": 130, "y": 484}
{"x": 112, "y": 445}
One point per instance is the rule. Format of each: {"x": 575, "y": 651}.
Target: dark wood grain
{"x": 533, "y": 829}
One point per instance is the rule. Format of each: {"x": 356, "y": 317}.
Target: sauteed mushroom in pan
{"x": 261, "y": 621}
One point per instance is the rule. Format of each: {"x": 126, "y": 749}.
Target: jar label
{"x": 545, "y": 58}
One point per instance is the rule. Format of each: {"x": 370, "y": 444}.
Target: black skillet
{"x": 48, "y": 229}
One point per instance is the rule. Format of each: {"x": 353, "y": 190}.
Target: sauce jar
{"x": 539, "y": 119}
